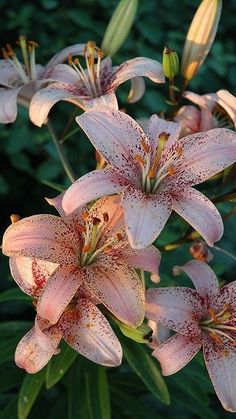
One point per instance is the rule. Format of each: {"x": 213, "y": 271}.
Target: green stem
{"x": 64, "y": 161}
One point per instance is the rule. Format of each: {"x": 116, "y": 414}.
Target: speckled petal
{"x": 157, "y": 126}
{"x": 44, "y": 100}
{"x": 145, "y": 216}
{"x": 8, "y": 104}
{"x": 147, "y": 259}
{"x": 92, "y": 186}
{"x": 203, "y": 278}
{"x": 220, "y": 361}
{"x": 228, "y": 103}
{"x": 227, "y": 297}
{"x": 109, "y": 100}
{"x": 58, "y": 292}
{"x": 136, "y": 67}
{"x": 178, "y": 308}
{"x": 88, "y": 332}
{"x": 8, "y": 75}
{"x": 117, "y": 137}
{"x": 41, "y": 236}
{"x": 200, "y": 213}
{"x": 36, "y": 348}
{"x": 118, "y": 287}
{"x": 65, "y": 74}
{"x": 176, "y": 352}
{"x": 31, "y": 274}
{"x": 202, "y": 155}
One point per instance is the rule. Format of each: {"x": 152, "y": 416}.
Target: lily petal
{"x": 58, "y": 292}
{"x": 157, "y": 126}
{"x": 31, "y": 274}
{"x": 65, "y": 74}
{"x": 119, "y": 288}
{"x": 108, "y": 100}
{"x": 137, "y": 89}
{"x": 220, "y": 361}
{"x": 8, "y": 74}
{"x": 91, "y": 186}
{"x": 63, "y": 55}
{"x": 226, "y": 297}
{"x": 136, "y": 67}
{"x": 44, "y": 100}
{"x": 117, "y": 137}
{"x": 203, "y": 278}
{"x": 41, "y": 236}
{"x": 36, "y": 349}
{"x": 176, "y": 352}
{"x": 200, "y": 213}
{"x": 203, "y": 155}
{"x": 228, "y": 103}
{"x": 147, "y": 259}
{"x": 88, "y": 332}
{"x": 145, "y": 216}
{"x": 177, "y": 308}
{"x": 8, "y": 104}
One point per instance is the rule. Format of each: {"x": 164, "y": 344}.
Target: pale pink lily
{"x": 82, "y": 326}
{"x": 202, "y": 317}
{"x": 96, "y": 85}
{"x": 216, "y": 110}
{"x": 20, "y": 81}
{"x": 87, "y": 248}
{"x": 154, "y": 172}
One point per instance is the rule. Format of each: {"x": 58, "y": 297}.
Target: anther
{"x": 105, "y": 217}
{"x": 119, "y": 236}
{"x": 213, "y": 315}
{"x": 179, "y": 151}
{"x": 14, "y": 218}
{"x": 85, "y": 215}
{"x": 139, "y": 159}
{"x": 216, "y": 338}
{"x": 144, "y": 145}
{"x": 171, "y": 171}
{"x": 96, "y": 221}
{"x": 86, "y": 248}
{"x": 81, "y": 228}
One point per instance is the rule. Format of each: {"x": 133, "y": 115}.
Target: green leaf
{"x": 10, "y": 378}
{"x": 146, "y": 368}
{"x": 29, "y": 391}
{"x": 10, "y": 410}
{"x": 88, "y": 392}
{"x": 53, "y": 185}
{"x": 138, "y": 410}
{"x": 14, "y": 328}
{"x": 7, "y": 348}
{"x": 14, "y": 294}
{"x": 59, "y": 365}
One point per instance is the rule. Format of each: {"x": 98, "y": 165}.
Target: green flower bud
{"x": 119, "y": 26}
{"x": 170, "y": 62}
{"x": 143, "y": 333}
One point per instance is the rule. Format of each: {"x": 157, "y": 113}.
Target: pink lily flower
{"x": 21, "y": 81}
{"x": 216, "y": 110}
{"x": 96, "y": 85}
{"x": 154, "y": 173}
{"x": 202, "y": 317}
{"x": 82, "y": 326}
{"x": 89, "y": 248}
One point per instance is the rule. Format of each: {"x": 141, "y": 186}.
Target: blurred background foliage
{"x": 29, "y": 161}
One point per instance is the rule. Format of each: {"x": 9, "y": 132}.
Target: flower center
{"x": 27, "y": 70}
{"x": 91, "y": 232}
{"x": 91, "y": 77}
{"x": 152, "y": 173}
{"x": 221, "y": 325}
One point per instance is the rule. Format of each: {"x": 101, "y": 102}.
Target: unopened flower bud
{"x": 170, "y": 62}
{"x": 119, "y": 26}
{"x": 200, "y": 251}
{"x": 200, "y": 36}
{"x": 143, "y": 333}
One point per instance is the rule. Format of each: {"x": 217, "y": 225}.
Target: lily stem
{"x": 64, "y": 161}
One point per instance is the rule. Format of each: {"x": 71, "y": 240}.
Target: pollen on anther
{"x": 179, "y": 151}
{"x": 85, "y": 215}
{"x": 119, "y": 236}
{"x": 105, "y": 217}
{"x": 139, "y": 159}
{"x": 96, "y": 221}
{"x": 86, "y": 248}
{"x": 171, "y": 171}
{"x": 145, "y": 146}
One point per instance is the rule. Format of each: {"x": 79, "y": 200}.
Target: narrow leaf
{"x": 29, "y": 391}
{"x": 146, "y": 368}
{"x": 59, "y": 365}
{"x": 14, "y": 294}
